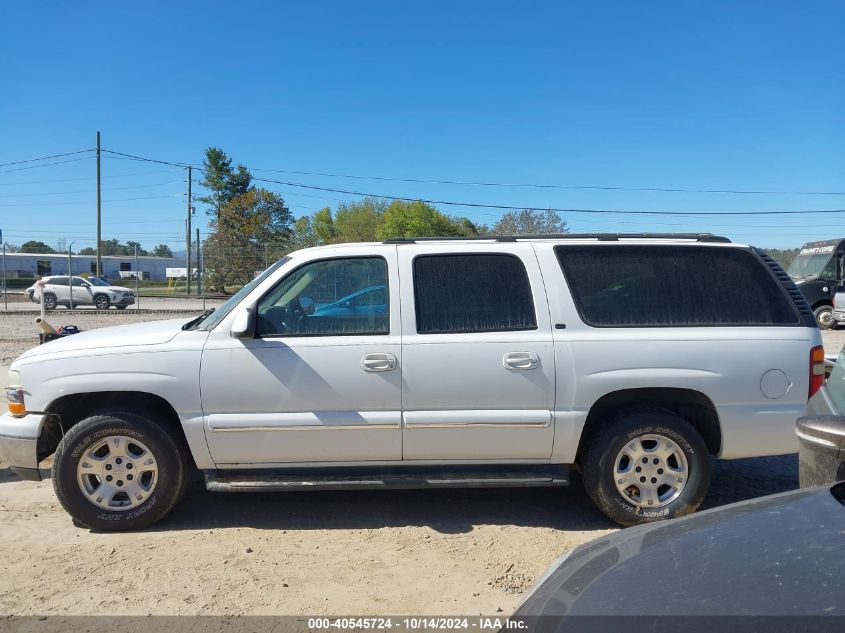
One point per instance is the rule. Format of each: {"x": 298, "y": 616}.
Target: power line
{"x": 66, "y": 203}
{"x": 550, "y": 186}
{"x": 82, "y": 178}
{"x": 477, "y": 205}
{"x": 33, "y": 160}
{"x": 58, "y": 162}
{"x": 62, "y": 193}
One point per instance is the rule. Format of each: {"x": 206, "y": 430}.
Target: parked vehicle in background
{"x": 818, "y": 272}
{"x": 779, "y": 555}
{"x": 830, "y": 399}
{"x": 62, "y": 291}
{"x": 494, "y": 362}
{"x": 839, "y": 307}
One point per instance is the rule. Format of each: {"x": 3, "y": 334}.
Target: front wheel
{"x": 101, "y": 302}
{"x": 49, "y": 301}
{"x": 647, "y": 465}
{"x": 118, "y": 471}
{"x": 824, "y": 317}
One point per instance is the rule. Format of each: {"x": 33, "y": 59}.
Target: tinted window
{"x": 79, "y": 282}
{"x": 630, "y": 286}
{"x": 341, "y": 296}
{"x": 472, "y": 293}
{"x": 58, "y": 281}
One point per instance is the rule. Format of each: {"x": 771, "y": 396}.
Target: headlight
{"x": 15, "y": 395}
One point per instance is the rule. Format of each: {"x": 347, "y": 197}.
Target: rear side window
{"x": 472, "y": 293}
{"x": 662, "y": 285}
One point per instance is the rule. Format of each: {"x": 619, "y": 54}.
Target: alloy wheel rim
{"x": 650, "y": 471}
{"x": 117, "y": 473}
{"x": 826, "y": 318}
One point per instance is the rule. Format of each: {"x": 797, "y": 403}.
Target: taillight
{"x": 816, "y": 369}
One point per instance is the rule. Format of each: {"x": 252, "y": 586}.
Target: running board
{"x": 278, "y": 480}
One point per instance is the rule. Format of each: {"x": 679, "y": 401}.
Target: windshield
{"x": 215, "y": 317}
{"x": 96, "y": 281}
{"x": 808, "y": 265}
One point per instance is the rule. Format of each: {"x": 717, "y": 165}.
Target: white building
{"x": 25, "y": 264}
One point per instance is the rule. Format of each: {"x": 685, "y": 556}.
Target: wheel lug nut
{"x": 639, "y": 469}
{"x": 656, "y": 461}
{"x": 129, "y": 477}
{"x": 653, "y": 480}
{"x": 645, "y": 460}
{"x": 119, "y": 482}
{"x": 128, "y": 466}
{"x": 108, "y": 466}
{"x": 108, "y": 477}
{"x": 118, "y": 460}
{"x": 642, "y": 479}
{"x": 659, "y": 471}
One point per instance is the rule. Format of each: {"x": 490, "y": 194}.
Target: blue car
{"x": 372, "y": 300}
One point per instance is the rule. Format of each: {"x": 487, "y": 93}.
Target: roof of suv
{"x": 629, "y": 238}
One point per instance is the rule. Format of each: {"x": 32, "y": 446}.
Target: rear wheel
{"x": 647, "y": 465}
{"x": 101, "y": 302}
{"x": 824, "y": 317}
{"x": 118, "y": 471}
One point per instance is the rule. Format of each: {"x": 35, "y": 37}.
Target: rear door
{"x": 478, "y": 374}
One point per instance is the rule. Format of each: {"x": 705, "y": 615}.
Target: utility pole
{"x": 188, "y": 233}
{"x": 137, "y": 272}
{"x": 70, "y": 274}
{"x": 199, "y": 269}
{"x": 5, "y": 290}
{"x": 99, "y": 213}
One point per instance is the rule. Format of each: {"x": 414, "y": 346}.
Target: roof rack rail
{"x": 602, "y": 237}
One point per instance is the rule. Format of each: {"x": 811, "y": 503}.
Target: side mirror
{"x": 243, "y": 325}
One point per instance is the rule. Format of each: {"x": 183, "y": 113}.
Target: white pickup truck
{"x": 434, "y": 362}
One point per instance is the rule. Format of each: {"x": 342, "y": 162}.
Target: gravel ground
{"x": 420, "y": 552}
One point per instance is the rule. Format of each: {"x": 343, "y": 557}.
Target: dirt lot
{"x": 421, "y": 552}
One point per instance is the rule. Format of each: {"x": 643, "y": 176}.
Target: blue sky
{"x": 689, "y": 95}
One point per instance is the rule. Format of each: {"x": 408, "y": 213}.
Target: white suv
{"x": 80, "y": 291}
{"x": 434, "y": 362}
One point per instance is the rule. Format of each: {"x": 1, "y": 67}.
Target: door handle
{"x": 378, "y": 362}
{"x": 521, "y": 360}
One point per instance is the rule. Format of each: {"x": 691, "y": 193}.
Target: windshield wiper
{"x": 196, "y": 321}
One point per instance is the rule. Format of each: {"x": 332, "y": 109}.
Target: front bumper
{"x": 125, "y": 301}
{"x": 839, "y": 316}
{"x": 19, "y": 444}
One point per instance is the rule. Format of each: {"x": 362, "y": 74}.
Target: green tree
{"x": 416, "y": 219}
{"x": 322, "y": 222}
{"x": 34, "y": 246}
{"x": 303, "y": 233}
{"x": 88, "y": 250}
{"x": 530, "y": 222}
{"x": 252, "y": 230}
{"x": 162, "y": 250}
{"x": 223, "y": 181}
{"x": 359, "y": 221}
{"x": 129, "y": 249}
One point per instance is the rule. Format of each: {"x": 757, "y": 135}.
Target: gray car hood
{"x": 777, "y": 555}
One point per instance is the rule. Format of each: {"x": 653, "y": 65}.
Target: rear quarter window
{"x": 672, "y": 286}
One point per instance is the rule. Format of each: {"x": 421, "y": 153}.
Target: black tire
{"x": 598, "y": 461}
{"x": 101, "y": 302}
{"x": 824, "y": 317}
{"x": 169, "y": 486}
{"x": 49, "y": 300}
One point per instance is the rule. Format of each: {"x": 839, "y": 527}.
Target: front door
{"x": 478, "y": 368}
{"x": 321, "y": 381}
